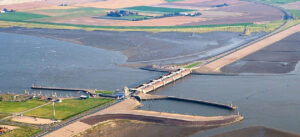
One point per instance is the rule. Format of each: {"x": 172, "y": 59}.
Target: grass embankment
{"x": 192, "y": 65}
{"x": 14, "y": 107}
{"x": 292, "y": 23}
{"x": 22, "y": 131}
{"x": 149, "y": 9}
{"x": 67, "y": 108}
{"x": 105, "y": 92}
{"x": 196, "y": 29}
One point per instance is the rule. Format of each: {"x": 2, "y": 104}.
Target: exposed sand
{"x": 258, "y": 131}
{"x": 280, "y": 57}
{"x": 115, "y": 4}
{"x": 133, "y": 128}
{"x": 9, "y": 127}
{"x": 6, "y": 2}
{"x": 31, "y": 120}
{"x": 40, "y": 4}
{"x": 70, "y": 130}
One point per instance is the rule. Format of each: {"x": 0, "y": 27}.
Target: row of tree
{"x": 6, "y": 10}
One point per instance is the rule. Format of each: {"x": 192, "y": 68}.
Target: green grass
{"x": 69, "y": 13}
{"x": 157, "y": 9}
{"x": 67, "y": 108}
{"x": 20, "y": 16}
{"x": 296, "y": 13}
{"x": 13, "y": 107}
{"x": 277, "y": 1}
{"x": 105, "y": 92}
{"x": 22, "y": 131}
{"x": 3, "y": 115}
{"x": 192, "y": 65}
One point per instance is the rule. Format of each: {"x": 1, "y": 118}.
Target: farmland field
{"x": 67, "y": 108}
{"x": 18, "y": 16}
{"x": 157, "y": 9}
{"x": 62, "y": 14}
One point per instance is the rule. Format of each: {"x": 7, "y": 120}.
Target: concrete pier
{"x": 88, "y": 91}
{"x": 142, "y": 97}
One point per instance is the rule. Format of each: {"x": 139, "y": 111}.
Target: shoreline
{"x": 144, "y": 47}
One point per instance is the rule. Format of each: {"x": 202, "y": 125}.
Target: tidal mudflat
{"x": 147, "y": 47}
{"x": 280, "y": 57}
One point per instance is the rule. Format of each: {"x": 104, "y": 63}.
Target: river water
{"x": 27, "y": 60}
{"x": 265, "y": 100}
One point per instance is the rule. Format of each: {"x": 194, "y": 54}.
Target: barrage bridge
{"x": 161, "y": 81}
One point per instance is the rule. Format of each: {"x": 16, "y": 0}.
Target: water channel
{"x": 266, "y": 100}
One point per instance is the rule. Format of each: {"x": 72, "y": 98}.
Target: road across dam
{"x": 161, "y": 81}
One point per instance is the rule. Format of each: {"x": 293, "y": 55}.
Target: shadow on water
{"x": 182, "y": 107}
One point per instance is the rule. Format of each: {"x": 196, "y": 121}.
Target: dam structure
{"x": 161, "y": 81}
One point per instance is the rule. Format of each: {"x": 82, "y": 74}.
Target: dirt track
{"x": 215, "y": 66}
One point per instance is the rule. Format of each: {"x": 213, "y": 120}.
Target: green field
{"x": 3, "y": 115}
{"x": 14, "y": 107}
{"x": 22, "y": 131}
{"x": 56, "y": 14}
{"x": 192, "y": 65}
{"x": 105, "y": 92}
{"x": 67, "y": 108}
{"x": 150, "y": 9}
{"x": 296, "y": 13}
{"x": 20, "y": 16}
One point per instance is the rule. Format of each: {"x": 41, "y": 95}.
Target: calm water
{"x": 188, "y": 108}
{"x": 267, "y": 100}
{"x": 26, "y": 60}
